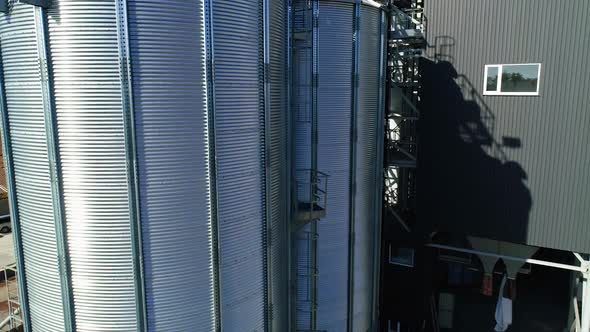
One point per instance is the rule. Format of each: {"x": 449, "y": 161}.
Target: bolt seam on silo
{"x": 353, "y": 143}
{"x": 14, "y": 211}
{"x": 46, "y": 77}
{"x": 267, "y": 241}
{"x": 314, "y": 157}
{"x": 290, "y": 158}
{"x": 211, "y": 106}
{"x": 131, "y": 163}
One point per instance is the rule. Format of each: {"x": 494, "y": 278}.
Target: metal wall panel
{"x": 24, "y": 99}
{"x": 368, "y": 120}
{"x": 278, "y": 158}
{"x": 552, "y": 129}
{"x": 87, "y": 92}
{"x": 335, "y": 68}
{"x": 239, "y": 138}
{"x": 167, "y": 56}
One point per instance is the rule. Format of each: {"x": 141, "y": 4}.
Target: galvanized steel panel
{"x": 552, "y": 129}
{"x": 167, "y": 55}
{"x": 239, "y": 138}
{"x": 22, "y": 83}
{"x": 335, "y": 67}
{"x": 278, "y": 162}
{"x": 368, "y": 120}
{"x": 83, "y": 45}
{"x": 335, "y": 110}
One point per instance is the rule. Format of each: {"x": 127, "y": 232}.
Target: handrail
{"x": 468, "y": 88}
{"x": 413, "y": 18}
{"x": 316, "y": 187}
{"x": 576, "y": 324}
{"x": 404, "y": 14}
{"x": 9, "y": 318}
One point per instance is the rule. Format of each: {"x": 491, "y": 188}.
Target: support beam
{"x": 512, "y": 258}
{"x": 353, "y": 149}
{"x": 131, "y": 163}
{"x": 211, "y": 140}
{"x": 55, "y": 174}
{"x": 585, "y": 324}
{"x": 267, "y": 236}
{"x": 379, "y": 176}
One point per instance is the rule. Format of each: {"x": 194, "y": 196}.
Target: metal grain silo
{"x": 339, "y": 54}
{"x": 146, "y": 151}
{"x": 249, "y": 95}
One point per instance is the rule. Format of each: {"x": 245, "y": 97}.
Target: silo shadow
{"x": 466, "y": 182}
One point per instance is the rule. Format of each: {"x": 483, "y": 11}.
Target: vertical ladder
{"x": 311, "y": 198}
{"x": 407, "y": 41}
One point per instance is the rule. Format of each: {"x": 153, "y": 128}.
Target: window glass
{"x": 492, "y": 79}
{"x": 401, "y": 256}
{"x": 520, "y": 78}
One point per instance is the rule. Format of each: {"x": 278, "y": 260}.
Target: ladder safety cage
{"x": 312, "y": 189}
{"x": 13, "y": 318}
{"x": 310, "y": 186}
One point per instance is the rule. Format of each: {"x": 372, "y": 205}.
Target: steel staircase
{"x": 407, "y": 41}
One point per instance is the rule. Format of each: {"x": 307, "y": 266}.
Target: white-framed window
{"x": 522, "y": 79}
{"x": 401, "y": 256}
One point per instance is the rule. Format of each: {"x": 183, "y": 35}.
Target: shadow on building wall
{"x": 466, "y": 183}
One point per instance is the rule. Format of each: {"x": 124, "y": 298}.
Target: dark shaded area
{"x": 406, "y": 292}
{"x": 403, "y": 4}
{"x": 465, "y": 184}
{"x": 511, "y": 142}
{"x": 543, "y": 296}
{"x": 542, "y": 303}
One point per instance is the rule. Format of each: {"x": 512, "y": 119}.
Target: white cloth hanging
{"x": 503, "y": 310}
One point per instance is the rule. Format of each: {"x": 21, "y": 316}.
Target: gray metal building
{"x": 513, "y": 168}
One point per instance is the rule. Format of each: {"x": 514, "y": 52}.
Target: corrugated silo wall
{"x": 239, "y": 144}
{"x": 167, "y": 43}
{"x": 130, "y": 212}
{"x": 30, "y": 168}
{"x": 278, "y": 159}
{"x": 251, "y": 211}
{"x": 90, "y": 143}
{"x": 367, "y": 199}
{"x": 349, "y": 120}
{"x": 533, "y": 187}
{"x": 335, "y": 90}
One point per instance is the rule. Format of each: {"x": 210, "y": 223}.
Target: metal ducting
{"x": 341, "y": 57}
{"x": 146, "y": 153}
